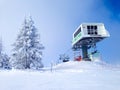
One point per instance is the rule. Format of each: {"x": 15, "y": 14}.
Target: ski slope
{"x": 67, "y": 76}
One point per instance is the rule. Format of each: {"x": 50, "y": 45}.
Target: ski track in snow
{"x": 67, "y": 76}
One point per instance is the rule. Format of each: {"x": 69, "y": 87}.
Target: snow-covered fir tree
{"x": 27, "y": 51}
{"x": 4, "y": 59}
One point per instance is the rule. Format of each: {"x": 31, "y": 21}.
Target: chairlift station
{"x": 86, "y": 36}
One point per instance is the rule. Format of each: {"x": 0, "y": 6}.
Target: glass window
{"x": 95, "y": 27}
{"x": 79, "y": 30}
{"x": 91, "y": 27}
{"x": 95, "y": 33}
{"x": 92, "y": 30}
{"x": 88, "y": 31}
{"x": 88, "y": 27}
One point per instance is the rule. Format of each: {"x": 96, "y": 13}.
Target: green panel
{"x": 77, "y": 38}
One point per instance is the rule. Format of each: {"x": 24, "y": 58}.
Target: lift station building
{"x": 86, "y": 36}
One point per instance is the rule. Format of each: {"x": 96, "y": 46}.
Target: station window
{"x": 95, "y": 32}
{"x": 88, "y": 31}
{"x": 95, "y": 27}
{"x": 92, "y": 30}
{"x": 88, "y": 27}
{"x": 92, "y": 27}
{"x": 79, "y": 30}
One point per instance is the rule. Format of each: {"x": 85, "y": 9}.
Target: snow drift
{"x": 67, "y": 76}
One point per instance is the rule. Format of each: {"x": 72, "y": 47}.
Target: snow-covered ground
{"x": 67, "y": 76}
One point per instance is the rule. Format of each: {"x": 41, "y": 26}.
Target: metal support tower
{"x": 85, "y": 52}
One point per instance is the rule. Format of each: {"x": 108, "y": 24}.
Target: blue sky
{"x": 56, "y": 20}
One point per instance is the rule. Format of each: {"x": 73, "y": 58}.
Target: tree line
{"x": 27, "y": 49}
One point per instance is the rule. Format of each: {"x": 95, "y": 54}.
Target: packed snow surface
{"x": 67, "y": 76}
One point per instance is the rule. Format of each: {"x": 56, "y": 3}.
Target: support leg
{"x": 85, "y": 53}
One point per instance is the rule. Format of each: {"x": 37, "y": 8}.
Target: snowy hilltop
{"x": 78, "y": 66}
{"x": 71, "y": 75}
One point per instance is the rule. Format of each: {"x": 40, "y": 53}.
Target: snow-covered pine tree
{"x": 27, "y": 51}
{"x": 4, "y": 59}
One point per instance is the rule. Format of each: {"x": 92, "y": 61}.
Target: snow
{"x": 27, "y": 48}
{"x": 67, "y": 76}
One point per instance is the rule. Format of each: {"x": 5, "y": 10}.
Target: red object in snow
{"x": 79, "y": 58}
